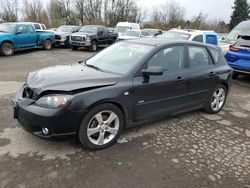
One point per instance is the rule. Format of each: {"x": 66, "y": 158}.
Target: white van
{"x": 121, "y": 27}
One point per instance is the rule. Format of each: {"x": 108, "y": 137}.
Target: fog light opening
{"x": 45, "y": 131}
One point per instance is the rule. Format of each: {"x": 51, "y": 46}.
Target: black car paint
{"x": 140, "y": 100}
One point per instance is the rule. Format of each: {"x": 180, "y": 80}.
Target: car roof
{"x": 192, "y": 31}
{"x": 162, "y": 41}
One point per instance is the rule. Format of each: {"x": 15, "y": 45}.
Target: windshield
{"x": 66, "y": 29}
{"x": 121, "y": 29}
{"x": 120, "y": 57}
{"x": 132, "y": 33}
{"x": 88, "y": 29}
{"x": 175, "y": 35}
{"x": 7, "y": 28}
{"x": 242, "y": 29}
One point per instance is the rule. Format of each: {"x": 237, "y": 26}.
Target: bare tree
{"x": 9, "y": 10}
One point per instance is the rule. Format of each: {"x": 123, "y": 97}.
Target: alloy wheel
{"x": 218, "y": 100}
{"x": 103, "y": 127}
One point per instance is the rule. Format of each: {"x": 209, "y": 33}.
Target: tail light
{"x": 233, "y": 48}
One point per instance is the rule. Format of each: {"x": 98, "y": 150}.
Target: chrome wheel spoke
{"x": 219, "y": 98}
{"x": 112, "y": 131}
{"x": 92, "y": 131}
{"x": 100, "y": 139}
{"x": 99, "y": 118}
{"x": 111, "y": 118}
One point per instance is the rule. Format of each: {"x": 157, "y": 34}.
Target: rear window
{"x": 37, "y": 26}
{"x": 215, "y": 54}
{"x": 243, "y": 42}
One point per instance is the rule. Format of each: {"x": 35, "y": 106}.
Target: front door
{"x": 21, "y": 37}
{"x": 161, "y": 94}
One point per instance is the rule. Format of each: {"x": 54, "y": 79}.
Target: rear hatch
{"x": 238, "y": 55}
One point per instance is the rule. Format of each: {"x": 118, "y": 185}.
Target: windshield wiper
{"x": 93, "y": 66}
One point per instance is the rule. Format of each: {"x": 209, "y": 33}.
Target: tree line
{"x": 54, "y": 13}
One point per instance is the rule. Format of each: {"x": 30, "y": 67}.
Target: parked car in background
{"x": 124, "y": 85}
{"x": 38, "y": 26}
{"x": 209, "y": 37}
{"x": 132, "y": 34}
{"x": 238, "y": 56}
{"x": 63, "y": 33}
{"x": 121, "y": 27}
{"x": 242, "y": 28}
{"x": 91, "y": 36}
{"x": 21, "y": 36}
{"x": 111, "y": 29}
{"x": 153, "y": 32}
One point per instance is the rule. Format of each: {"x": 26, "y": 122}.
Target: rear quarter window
{"x": 37, "y": 26}
{"x": 215, "y": 54}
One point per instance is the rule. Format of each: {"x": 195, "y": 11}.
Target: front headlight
{"x": 53, "y": 101}
{"x": 88, "y": 39}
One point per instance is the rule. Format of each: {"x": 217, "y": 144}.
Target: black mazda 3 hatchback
{"x": 122, "y": 86}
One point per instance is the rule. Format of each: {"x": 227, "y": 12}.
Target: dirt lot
{"x": 191, "y": 150}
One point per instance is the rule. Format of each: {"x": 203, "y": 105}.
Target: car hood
{"x": 69, "y": 78}
{"x": 83, "y": 34}
{"x": 127, "y": 37}
{"x": 62, "y": 33}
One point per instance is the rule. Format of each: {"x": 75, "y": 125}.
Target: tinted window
{"x": 22, "y": 29}
{"x": 171, "y": 58}
{"x": 198, "y": 56}
{"x": 37, "y": 26}
{"x": 30, "y": 29}
{"x": 211, "y": 39}
{"x": 243, "y": 42}
{"x": 198, "y": 38}
{"x": 215, "y": 54}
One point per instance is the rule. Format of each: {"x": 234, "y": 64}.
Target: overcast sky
{"x": 218, "y": 9}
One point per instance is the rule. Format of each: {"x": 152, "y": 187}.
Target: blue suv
{"x": 238, "y": 56}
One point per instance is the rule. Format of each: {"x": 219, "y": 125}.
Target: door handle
{"x": 180, "y": 79}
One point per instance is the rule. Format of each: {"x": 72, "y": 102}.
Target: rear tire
{"x": 47, "y": 45}
{"x": 217, "y": 99}
{"x": 101, "y": 126}
{"x": 7, "y": 49}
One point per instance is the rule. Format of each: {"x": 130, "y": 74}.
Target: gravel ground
{"x": 190, "y": 150}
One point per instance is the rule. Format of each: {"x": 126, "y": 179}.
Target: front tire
{"x": 101, "y": 127}
{"x": 217, "y": 100}
{"x": 94, "y": 46}
{"x": 7, "y": 49}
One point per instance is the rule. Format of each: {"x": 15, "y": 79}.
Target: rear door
{"x": 201, "y": 75}
{"x": 161, "y": 94}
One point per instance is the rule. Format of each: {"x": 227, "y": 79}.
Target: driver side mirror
{"x": 153, "y": 71}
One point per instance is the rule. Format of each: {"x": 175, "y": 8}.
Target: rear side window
{"x": 198, "y": 56}
{"x": 215, "y": 54}
{"x": 243, "y": 42}
{"x": 198, "y": 38}
{"x": 171, "y": 58}
{"x": 43, "y": 26}
{"x": 30, "y": 29}
{"x": 37, "y": 26}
